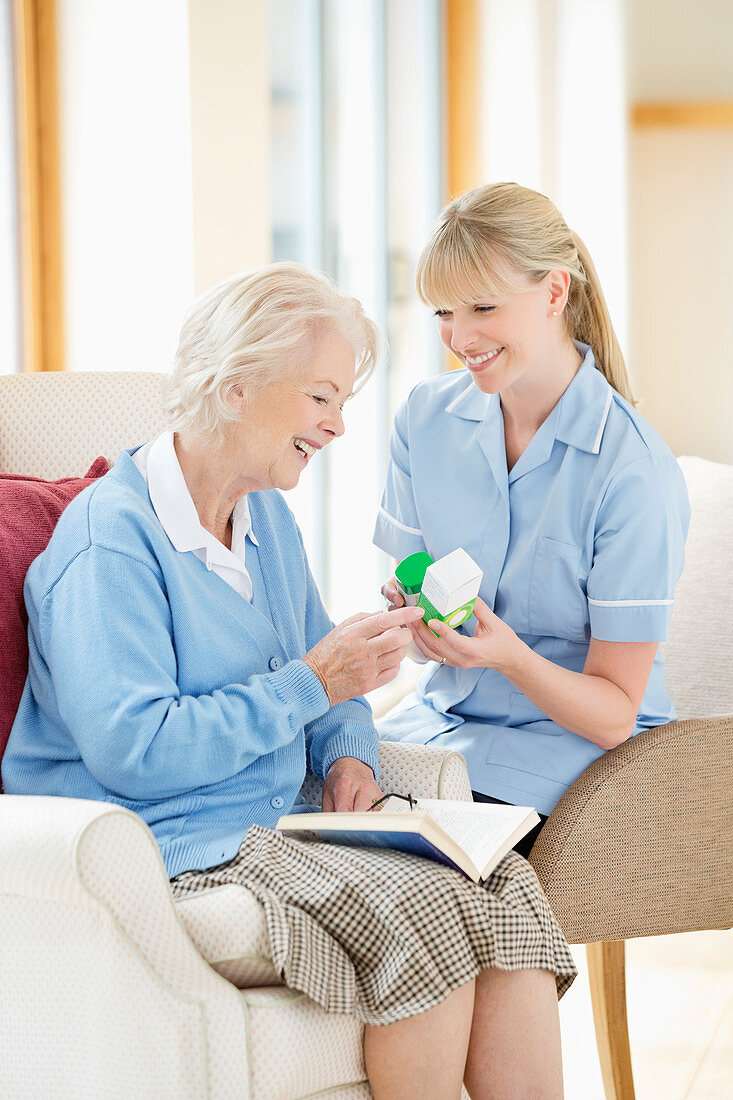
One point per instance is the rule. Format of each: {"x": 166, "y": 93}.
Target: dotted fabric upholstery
{"x": 424, "y": 771}
{"x": 119, "y": 863}
{"x": 55, "y": 425}
{"x": 227, "y": 926}
{"x": 103, "y": 993}
{"x": 81, "y": 1016}
{"x": 415, "y": 769}
{"x": 324, "y": 1051}
{"x": 352, "y": 1092}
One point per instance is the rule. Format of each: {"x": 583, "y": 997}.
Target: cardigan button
{"x": 277, "y": 802}
{"x": 275, "y": 663}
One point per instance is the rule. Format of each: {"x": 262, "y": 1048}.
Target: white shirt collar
{"x": 177, "y": 513}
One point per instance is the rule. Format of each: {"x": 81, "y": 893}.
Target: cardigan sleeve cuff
{"x": 362, "y": 747}
{"x": 297, "y": 685}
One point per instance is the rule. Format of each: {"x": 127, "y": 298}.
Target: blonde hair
{"x": 254, "y": 329}
{"x": 484, "y": 237}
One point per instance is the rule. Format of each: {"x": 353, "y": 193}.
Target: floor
{"x": 680, "y": 1004}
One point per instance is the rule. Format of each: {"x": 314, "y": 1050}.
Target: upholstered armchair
{"x": 107, "y": 987}
{"x": 642, "y": 843}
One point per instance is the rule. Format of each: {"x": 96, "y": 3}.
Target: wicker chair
{"x": 642, "y": 843}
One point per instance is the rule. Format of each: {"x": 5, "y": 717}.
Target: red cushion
{"x": 29, "y": 510}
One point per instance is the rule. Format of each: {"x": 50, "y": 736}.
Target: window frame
{"x": 40, "y": 260}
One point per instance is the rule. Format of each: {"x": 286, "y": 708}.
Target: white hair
{"x": 254, "y": 329}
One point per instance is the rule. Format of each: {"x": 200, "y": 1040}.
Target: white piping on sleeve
{"x": 604, "y": 418}
{"x": 396, "y": 523}
{"x": 630, "y": 603}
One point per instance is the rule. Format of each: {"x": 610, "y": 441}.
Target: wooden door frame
{"x": 462, "y": 52}
{"x": 35, "y": 68}
{"x": 702, "y": 114}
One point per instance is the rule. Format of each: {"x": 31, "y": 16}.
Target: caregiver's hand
{"x": 362, "y": 653}
{"x": 493, "y": 646}
{"x": 349, "y": 785}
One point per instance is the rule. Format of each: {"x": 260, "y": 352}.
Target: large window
{"x": 356, "y": 185}
{"x": 552, "y": 116}
{"x": 358, "y": 98}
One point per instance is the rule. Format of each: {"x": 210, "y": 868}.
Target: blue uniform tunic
{"x": 584, "y": 537}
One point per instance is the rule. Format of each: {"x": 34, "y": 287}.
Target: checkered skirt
{"x": 383, "y": 935}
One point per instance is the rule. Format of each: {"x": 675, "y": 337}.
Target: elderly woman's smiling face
{"x": 283, "y": 425}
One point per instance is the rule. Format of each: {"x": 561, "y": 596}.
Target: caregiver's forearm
{"x": 591, "y": 706}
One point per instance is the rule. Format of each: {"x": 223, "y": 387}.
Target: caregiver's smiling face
{"x": 503, "y": 338}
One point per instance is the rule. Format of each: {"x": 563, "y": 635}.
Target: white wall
{"x": 230, "y": 133}
{"x": 553, "y": 117}
{"x": 681, "y": 220}
{"x": 680, "y": 50}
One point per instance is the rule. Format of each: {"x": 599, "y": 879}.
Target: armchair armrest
{"x": 423, "y": 771}
{"x": 416, "y": 769}
{"x": 89, "y": 926}
{"x": 39, "y": 844}
{"x": 640, "y": 845}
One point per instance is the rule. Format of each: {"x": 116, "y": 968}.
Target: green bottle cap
{"x": 411, "y": 572}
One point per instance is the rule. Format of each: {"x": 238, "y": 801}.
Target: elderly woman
{"x": 182, "y": 665}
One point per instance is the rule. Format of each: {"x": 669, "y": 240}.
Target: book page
{"x": 479, "y": 828}
{"x": 471, "y": 837}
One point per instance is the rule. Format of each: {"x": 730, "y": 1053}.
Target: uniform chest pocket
{"x": 557, "y": 602}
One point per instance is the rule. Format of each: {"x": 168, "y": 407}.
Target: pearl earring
{"x": 554, "y": 313}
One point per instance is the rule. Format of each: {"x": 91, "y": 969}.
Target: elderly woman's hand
{"x": 350, "y": 785}
{"x": 392, "y": 594}
{"x": 362, "y": 653}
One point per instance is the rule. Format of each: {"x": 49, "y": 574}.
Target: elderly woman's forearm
{"x": 155, "y": 748}
{"x": 130, "y": 683}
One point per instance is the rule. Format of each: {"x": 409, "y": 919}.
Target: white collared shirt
{"x": 158, "y": 463}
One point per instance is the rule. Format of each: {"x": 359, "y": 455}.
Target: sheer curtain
{"x": 554, "y": 118}
{"x": 358, "y": 95}
{"x": 356, "y": 184}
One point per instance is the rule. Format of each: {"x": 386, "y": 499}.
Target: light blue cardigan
{"x": 153, "y": 684}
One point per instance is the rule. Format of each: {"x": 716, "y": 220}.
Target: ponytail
{"x": 590, "y": 322}
{"x": 486, "y": 234}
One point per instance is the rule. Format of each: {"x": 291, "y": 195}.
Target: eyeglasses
{"x": 405, "y": 798}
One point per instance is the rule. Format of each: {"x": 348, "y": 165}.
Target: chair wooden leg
{"x": 607, "y": 977}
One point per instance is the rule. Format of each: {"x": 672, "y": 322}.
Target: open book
{"x": 471, "y": 837}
